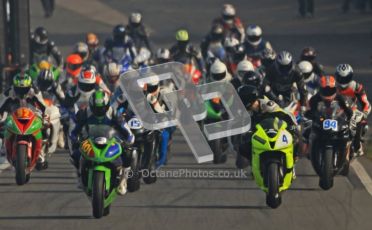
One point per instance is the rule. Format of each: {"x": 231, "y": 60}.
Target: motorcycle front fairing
{"x": 272, "y": 143}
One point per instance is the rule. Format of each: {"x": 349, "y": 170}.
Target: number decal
{"x": 330, "y": 124}
{"x": 285, "y": 139}
{"x": 135, "y": 123}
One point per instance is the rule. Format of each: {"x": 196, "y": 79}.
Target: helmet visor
{"x": 152, "y": 88}
{"x": 254, "y": 38}
{"x": 285, "y": 69}
{"x": 100, "y": 111}
{"x": 344, "y": 80}
{"x": 227, "y": 18}
{"x": 86, "y": 87}
{"x": 44, "y": 84}
{"x": 73, "y": 66}
{"x": 21, "y": 90}
{"x": 219, "y": 76}
{"x": 328, "y": 91}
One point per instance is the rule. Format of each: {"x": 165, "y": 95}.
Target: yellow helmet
{"x": 43, "y": 65}
{"x": 182, "y": 35}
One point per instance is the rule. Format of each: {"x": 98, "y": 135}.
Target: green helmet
{"x": 182, "y": 35}
{"x": 22, "y": 83}
{"x": 99, "y": 103}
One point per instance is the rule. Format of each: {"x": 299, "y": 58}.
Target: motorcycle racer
{"x": 100, "y": 112}
{"x": 232, "y": 24}
{"x": 23, "y": 93}
{"x": 44, "y": 49}
{"x": 354, "y": 91}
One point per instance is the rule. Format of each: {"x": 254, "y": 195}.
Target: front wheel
{"x": 149, "y": 160}
{"x": 20, "y": 165}
{"x": 134, "y": 177}
{"x": 326, "y": 178}
{"x": 98, "y": 194}
{"x": 273, "y": 198}
{"x": 219, "y": 156}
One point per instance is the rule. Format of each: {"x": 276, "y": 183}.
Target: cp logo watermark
{"x": 186, "y": 106}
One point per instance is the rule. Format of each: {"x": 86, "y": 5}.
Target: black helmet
{"x": 252, "y": 78}
{"x": 284, "y": 62}
{"x": 308, "y": 54}
{"x": 41, "y": 35}
{"x": 248, "y": 94}
{"x": 239, "y": 53}
{"x": 99, "y": 103}
{"x": 118, "y": 32}
{"x": 45, "y": 79}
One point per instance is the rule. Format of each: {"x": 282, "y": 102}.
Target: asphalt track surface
{"x": 228, "y": 199}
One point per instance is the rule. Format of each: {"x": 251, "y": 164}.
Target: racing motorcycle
{"x": 100, "y": 167}
{"x": 23, "y": 141}
{"x": 147, "y": 145}
{"x": 272, "y": 159}
{"x": 330, "y": 144}
{"x": 216, "y": 113}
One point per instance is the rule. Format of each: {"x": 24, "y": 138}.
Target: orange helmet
{"x": 91, "y": 40}
{"x": 328, "y": 88}
{"x": 74, "y": 64}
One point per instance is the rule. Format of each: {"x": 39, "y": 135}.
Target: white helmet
{"x": 245, "y": 65}
{"x": 228, "y": 12}
{"x": 143, "y": 56}
{"x": 254, "y": 35}
{"x": 87, "y": 79}
{"x": 218, "y": 70}
{"x": 344, "y": 74}
{"x": 284, "y": 62}
{"x": 306, "y": 69}
{"x": 112, "y": 71}
{"x": 231, "y": 42}
{"x": 135, "y": 18}
{"x": 163, "y": 55}
{"x": 82, "y": 49}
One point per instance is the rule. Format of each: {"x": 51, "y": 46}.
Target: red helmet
{"x": 328, "y": 88}
{"x": 74, "y": 64}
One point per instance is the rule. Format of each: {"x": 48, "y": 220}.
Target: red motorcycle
{"x": 23, "y": 141}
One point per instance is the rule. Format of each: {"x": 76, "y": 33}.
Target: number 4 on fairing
{"x": 330, "y": 124}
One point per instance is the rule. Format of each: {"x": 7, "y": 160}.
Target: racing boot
{"x": 122, "y": 188}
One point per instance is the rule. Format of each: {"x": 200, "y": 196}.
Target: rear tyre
{"x": 273, "y": 198}
{"x": 326, "y": 178}
{"x": 98, "y": 194}
{"x": 20, "y": 165}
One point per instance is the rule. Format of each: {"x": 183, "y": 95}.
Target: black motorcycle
{"x": 330, "y": 143}
{"x": 147, "y": 145}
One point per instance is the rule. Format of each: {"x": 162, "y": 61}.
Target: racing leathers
{"x": 139, "y": 36}
{"x": 48, "y": 52}
{"x": 11, "y": 101}
{"x": 356, "y": 97}
{"x": 85, "y": 118}
{"x": 235, "y": 29}
{"x": 282, "y": 88}
{"x": 268, "y": 109}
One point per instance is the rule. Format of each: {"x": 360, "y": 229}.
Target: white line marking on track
{"x": 363, "y": 175}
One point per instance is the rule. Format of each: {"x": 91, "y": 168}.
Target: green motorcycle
{"x": 272, "y": 159}
{"x": 100, "y": 166}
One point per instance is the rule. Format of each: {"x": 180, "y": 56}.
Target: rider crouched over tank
{"x": 100, "y": 112}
